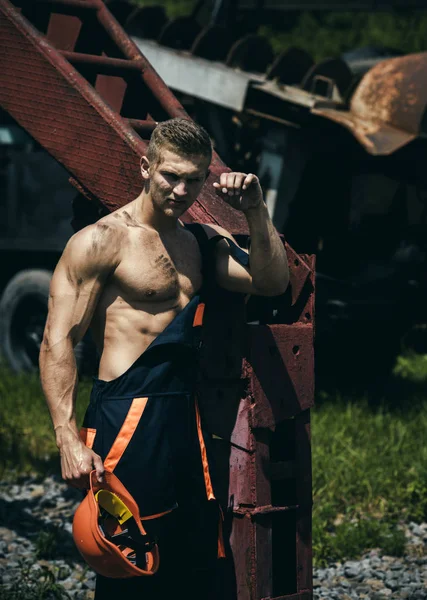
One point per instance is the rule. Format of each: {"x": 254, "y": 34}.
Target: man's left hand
{"x": 242, "y": 191}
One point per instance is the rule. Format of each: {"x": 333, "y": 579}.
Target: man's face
{"x": 175, "y": 181}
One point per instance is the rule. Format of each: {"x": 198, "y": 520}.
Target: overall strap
{"x": 207, "y": 250}
{"x": 236, "y": 252}
{"x": 202, "y": 239}
{"x": 208, "y": 258}
{"x": 207, "y": 245}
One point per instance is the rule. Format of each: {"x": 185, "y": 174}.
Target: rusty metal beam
{"x": 104, "y": 65}
{"x": 60, "y": 5}
{"x": 143, "y": 128}
{"x": 261, "y": 511}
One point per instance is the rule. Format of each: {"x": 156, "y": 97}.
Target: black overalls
{"x": 146, "y": 427}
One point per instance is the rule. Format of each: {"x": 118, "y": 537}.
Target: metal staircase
{"x": 77, "y": 83}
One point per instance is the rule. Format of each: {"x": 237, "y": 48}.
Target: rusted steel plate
{"x": 280, "y": 534}
{"x": 262, "y": 475}
{"x": 306, "y": 302}
{"x": 255, "y": 565}
{"x": 263, "y": 556}
{"x": 220, "y": 401}
{"x": 242, "y": 478}
{"x": 63, "y": 31}
{"x": 304, "y": 558}
{"x": 243, "y": 537}
{"x": 300, "y": 270}
{"x": 113, "y": 90}
{"x": 387, "y": 108}
{"x": 280, "y": 357}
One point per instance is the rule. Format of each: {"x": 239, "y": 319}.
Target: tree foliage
{"x": 329, "y": 34}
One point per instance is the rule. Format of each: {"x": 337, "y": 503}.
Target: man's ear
{"x": 145, "y": 166}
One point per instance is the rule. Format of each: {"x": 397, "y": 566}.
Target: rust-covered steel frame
{"x": 76, "y": 82}
{"x": 87, "y": 131}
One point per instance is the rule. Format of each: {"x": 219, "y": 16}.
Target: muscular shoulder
{"x": 95, "y": 248}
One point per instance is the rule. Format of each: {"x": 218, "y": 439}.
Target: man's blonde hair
{"x": 181, "y": 136}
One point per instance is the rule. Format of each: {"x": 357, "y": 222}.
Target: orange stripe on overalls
{"x": 125, "y": 434}
{"x": 198, "y": 316}
{"x": 206, "y": 474}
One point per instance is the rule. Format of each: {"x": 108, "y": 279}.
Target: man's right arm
{"x": 77, "y": 283}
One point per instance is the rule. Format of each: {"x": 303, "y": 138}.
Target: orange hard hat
{"x": 109, "y": 534}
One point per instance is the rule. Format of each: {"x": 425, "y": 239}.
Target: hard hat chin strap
{"x": 132, "y": 537}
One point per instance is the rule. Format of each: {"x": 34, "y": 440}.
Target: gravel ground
{"x": 36, "y": 549}
{"x": 36, "y": 546}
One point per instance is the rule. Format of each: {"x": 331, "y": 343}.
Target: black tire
{"x": 23, "y": 312}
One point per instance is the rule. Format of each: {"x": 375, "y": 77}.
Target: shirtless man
{"x": 132, "y": 272}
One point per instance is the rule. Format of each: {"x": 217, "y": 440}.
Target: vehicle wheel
{"x": 23, "y": 312}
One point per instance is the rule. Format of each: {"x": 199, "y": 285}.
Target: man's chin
{"x": 175, "y": 211}
{"x": 169, "y": 213}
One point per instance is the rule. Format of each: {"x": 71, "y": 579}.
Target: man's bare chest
{"x": 157, "y": 272}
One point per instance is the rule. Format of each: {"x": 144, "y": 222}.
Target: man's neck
{"x": 145, "y": 214}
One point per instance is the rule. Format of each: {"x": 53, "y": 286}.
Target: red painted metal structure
{"x": 75, "y": 81}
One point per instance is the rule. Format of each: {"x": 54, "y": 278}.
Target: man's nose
{"x": 181, "y": 188}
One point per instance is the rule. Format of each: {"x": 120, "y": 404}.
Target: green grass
{"x": 369, "y": 474}
{"x": 369, "y": 458}
{"x": 27, "y": 442}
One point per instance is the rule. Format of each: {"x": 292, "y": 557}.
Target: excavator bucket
{"x": 76, "y": 82}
